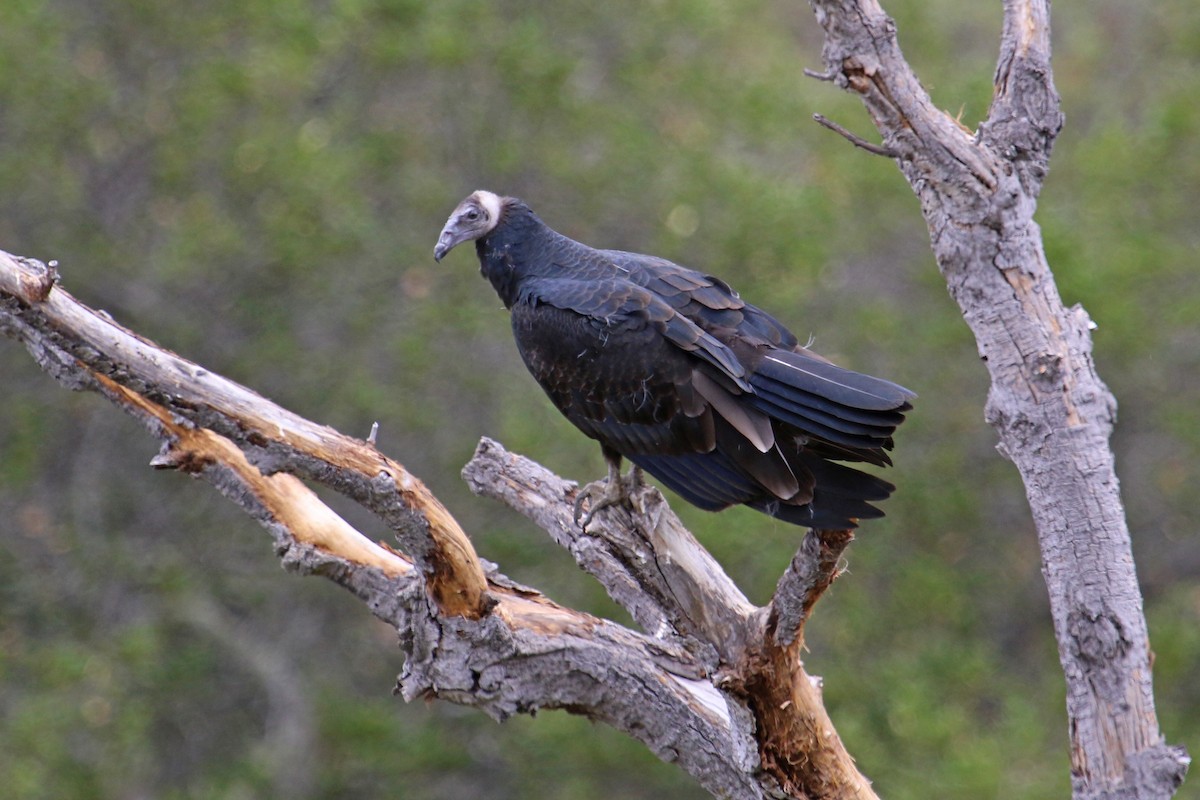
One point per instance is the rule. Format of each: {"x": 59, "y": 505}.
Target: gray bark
{"x": 978, "y": 192}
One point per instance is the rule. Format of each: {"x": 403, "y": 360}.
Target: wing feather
{"x": 751, "y": 423}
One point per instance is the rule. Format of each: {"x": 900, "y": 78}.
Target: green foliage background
{"x": 259, "y": 185}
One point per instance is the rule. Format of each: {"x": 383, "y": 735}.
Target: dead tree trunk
{"x": 978, "y": 192}
{"x": 715, "y": 684}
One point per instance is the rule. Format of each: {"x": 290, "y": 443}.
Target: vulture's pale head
{"x": 475, "y": 217}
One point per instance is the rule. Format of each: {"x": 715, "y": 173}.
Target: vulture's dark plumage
{"x": 671, "y": 369}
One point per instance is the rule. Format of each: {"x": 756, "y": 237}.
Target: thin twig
{"x": 855, "y": 139}
{"x": 827, "y": 76}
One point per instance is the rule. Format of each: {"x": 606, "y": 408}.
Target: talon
{"x": 579, "y": 498}
{"x": 610, "y": 491}
{"x": 599, "y": 494}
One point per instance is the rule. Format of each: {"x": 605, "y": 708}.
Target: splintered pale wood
{"x": 285, "y": 497}
{"x": 787, "y": 705}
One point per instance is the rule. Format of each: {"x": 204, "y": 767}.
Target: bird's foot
{"x": 610, "y": 491}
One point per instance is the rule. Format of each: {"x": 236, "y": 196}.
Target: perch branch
{"x": 647, "y": 561}
{"x": 709, "y": 689}
{"x": 654, "y": 567}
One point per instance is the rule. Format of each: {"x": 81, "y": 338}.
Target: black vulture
{"x": 670, "y": 368}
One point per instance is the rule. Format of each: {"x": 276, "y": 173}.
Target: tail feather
{"x": 842, "y": 386}
{"x": 837, "y": 452}
{"x": 843, "y": 496}
{"x": 838, "y": 480}
{"x": 821, "y": 424}
{"x": 843, "y": 408}
{"x": 825, "y": 516}
{"x": 831, "y": 496}
{"x": 817, "y": 412}
{"x": 791, "y": 395}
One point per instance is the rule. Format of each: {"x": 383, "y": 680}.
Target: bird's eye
{"x": 472, "y": 215}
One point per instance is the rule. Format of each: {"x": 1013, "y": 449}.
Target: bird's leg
{"x": 634, "y": 480}
{"x": 608, "y": 491}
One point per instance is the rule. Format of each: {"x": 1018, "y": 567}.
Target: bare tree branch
{"x": 1052, "y": 412}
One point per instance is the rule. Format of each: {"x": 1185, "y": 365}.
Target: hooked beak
{"x": 440, "y": 250}
{"x": 447, "y": 241}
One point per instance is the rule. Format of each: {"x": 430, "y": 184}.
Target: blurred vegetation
{"x": 259, "y": 185}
